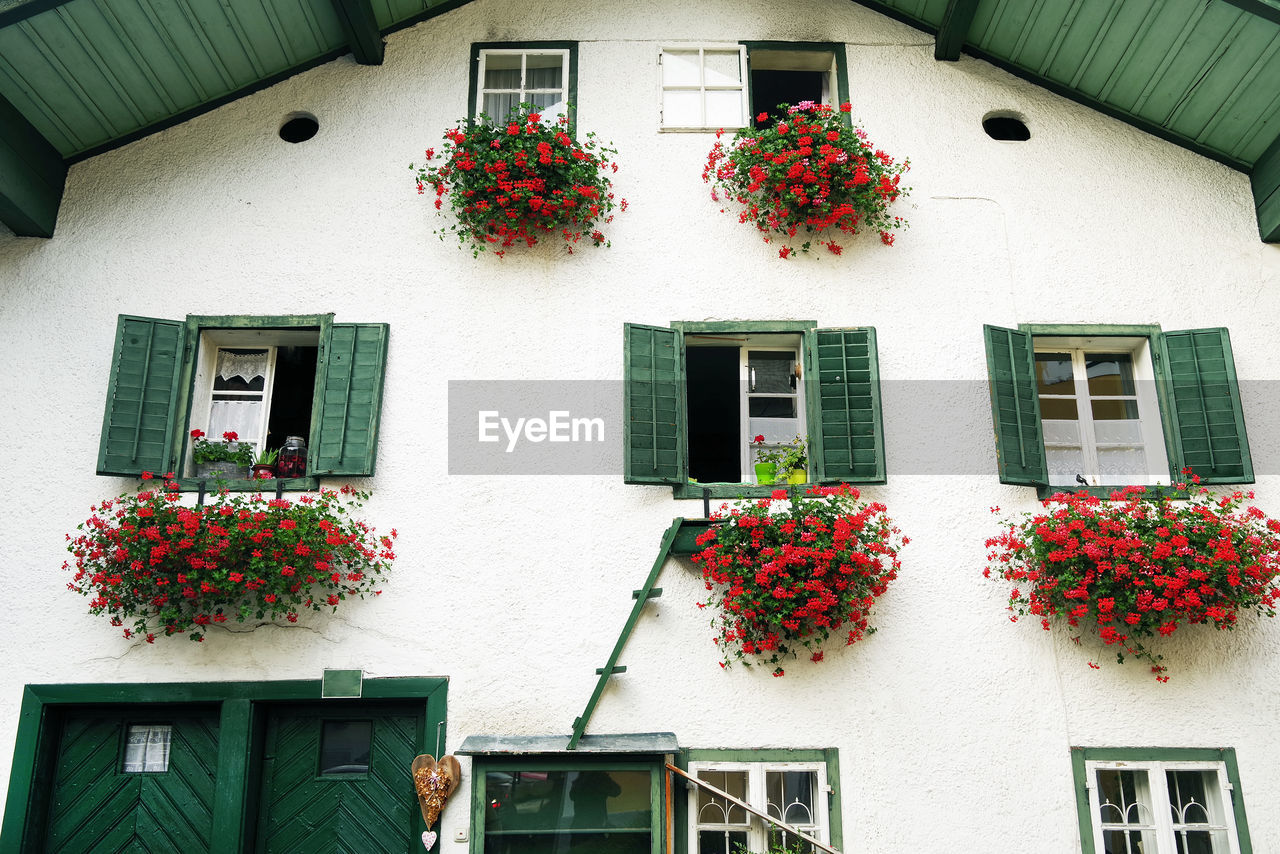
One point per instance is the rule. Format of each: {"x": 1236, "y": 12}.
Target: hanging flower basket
{"x": 165, "y": 568}
{"x": 810, "y": 172}
{"x": 519, "y": 181}
{"x": 1139, "y": 567}
{"x": 791, "y": 571}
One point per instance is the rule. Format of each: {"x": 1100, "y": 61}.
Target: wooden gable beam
{"x": 1265, "y": 180}
{"x": 361, "y": 29}
{"x": 954, "y": 29}
{"x": 32, "y": 175}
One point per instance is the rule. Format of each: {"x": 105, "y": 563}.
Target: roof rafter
{"x": 32, "y": 175}
{"x": 954, "y": 29}
{"x": 361, "y": 28}
{"x": 1265, "y": 180}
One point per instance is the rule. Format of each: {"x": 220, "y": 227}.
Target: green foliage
{"x": 230, "y": 449}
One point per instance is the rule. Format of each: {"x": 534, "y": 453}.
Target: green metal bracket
{"x": 643, "y": 595}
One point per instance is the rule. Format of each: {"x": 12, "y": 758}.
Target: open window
{"x": 698, "y": 393}
{"x": 1160, "y": 801}
{"x": 1108, "y": 406}
{"x": 264, "y": 378}
{"x": 507, "y": 74}
{"x": 708, "y": 87}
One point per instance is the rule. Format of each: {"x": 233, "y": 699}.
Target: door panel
{"x": 97, "y": 807}
{"x": 351, "y": 811}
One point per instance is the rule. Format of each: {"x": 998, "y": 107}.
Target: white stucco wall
{"x": 953, "y": 725}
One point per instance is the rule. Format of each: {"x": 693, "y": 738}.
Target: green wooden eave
{"x": 79, "y": 77}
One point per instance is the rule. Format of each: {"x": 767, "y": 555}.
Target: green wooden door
{"x": 155, "y": 798}
{"x": 335, "y": 779}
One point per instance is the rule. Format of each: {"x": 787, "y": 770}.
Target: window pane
{"x": 771, "y": 371}
{"x": 1114, "y": 410}
{"x": 724, "y": 68}
{"x": 498, "y": 107}
{"x": 1202, "y": 841}
{"x": 680, "y": 68}
{"x": 1123, "y": 797}
{"x": 1053, "y": 373}
{"x": 548, "y": 802}
{"x": 1114, "y": 462}
{"x": 713, "y": 809}
{"x": 146, "y": 748}
{"x": 790, "y": 795}
{"x": 1059, "y": 408}
{"x": 682, "y": 109}
{"x": 543, "y": 61}
{"x": 1129, "y": 842}
{"x": 344, "y": 747}
{"x": 242, "y": 417}
{"x": 772, "y": 407}
{"x": 724, "y": 109}
{"x": 1110, "y": 373}
{"x": 721, "y": 841}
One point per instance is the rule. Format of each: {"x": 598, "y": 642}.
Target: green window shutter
{"x": 1015, "y": 406}
{"x": 653, "y": 405}
{"x": 137, "y": 428}
{"x": 1204, "y": 404}
{"x": 846, "y": 432}
{"x": 344, "y": 422}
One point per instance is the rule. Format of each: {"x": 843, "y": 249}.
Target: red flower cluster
{"x": 814, "y": 173}
{"x": 1138, "y": 567}
{"x": 515, "y": 182}
{"x": 790, "y": 571}
{"x": 172, "y": 568}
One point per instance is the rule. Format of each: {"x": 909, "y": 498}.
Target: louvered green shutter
{"x": 1015, "y": 406}
{"x": 653, "y": 405}
{"x": 137, "y": 428}
{"x": 1204, "y": 399}
{"x": 349, "y": 389}
{"x": 847, "y": 439}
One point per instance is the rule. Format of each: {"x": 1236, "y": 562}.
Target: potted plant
{"x": 787, "y": 572}
{"x": 1136, "y": 568}
{"x": 517, "y": 181}
{"x": 795, "y": 460}
{"x": 159, "y": 568}
{"x": 768, "y": 461}
{"x": 810, "y": 172}
{"x": 264, "y": 465}
{"x": 227, "y": 459}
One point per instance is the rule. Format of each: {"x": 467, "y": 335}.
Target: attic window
{"x": 299, "y": 127}
{"x": 1005, "y": 128}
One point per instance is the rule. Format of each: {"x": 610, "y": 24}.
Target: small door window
{"x": 146, "y": 748}
{"x": 344, "y": 747}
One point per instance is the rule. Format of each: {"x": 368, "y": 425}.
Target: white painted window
{"x": 793, "y": 792}
{"x": 741, "y": 386}
{"x": 1161, "y": 808}
{"x": 511, "y": 76}
{"x": 146, "y": 748}
{"x": 256, "y": 383}
{"x": 704, "y": 87}
{"x": 1099, "y": 411}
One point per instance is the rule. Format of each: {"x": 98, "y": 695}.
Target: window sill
{"x": 291, "y": 484}
{"x": 1105, "y": 492}
{"x": 732, "y": 490}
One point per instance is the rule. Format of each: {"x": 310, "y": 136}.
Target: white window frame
{"x": 780, "y": 342}
{"x": 1149, "y": 415}
{"x": 757, "y": 833}
{"x": 1162, "y": 824}
{"x": 560, "y": 106}
{"x": 701, "y": 86}
{"x": 211, "y": 341}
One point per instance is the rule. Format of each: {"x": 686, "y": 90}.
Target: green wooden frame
{"x": 1225, "y": 755}
{"x": 571, "y": 96}
{"x": 481, "y": 765}
{"x": 829, "y": 755}
{"x": 837, "y": 49}
{"x": 241, "y": 711}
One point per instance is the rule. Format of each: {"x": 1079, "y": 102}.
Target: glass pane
{"x": 616, "y": 842}
{"x": 1062, "y": 433}
{"x": 790, "y": 795}
{"x": 1109, "y": 373}
{"x": 724, "y": 109}
{"x": 1202, "y": 841}
{"x": 500, "y": 78}
{"x": 1053, "y": 373}
{"x": 713, "y": 809}
{"x": 721, "y": 841}
{"x": 724, "y": 68}
{"x": 1061, "y": 408}
{"x": 1114, "y": 410}
{"x": 772, "y": 407}
{"x": 498, "y": 107}
{"x": 1064, "y": 465}
{"x": 146, "y": 748}
{"x": 1114, "y": 462}
{"x": 1129, "y": 842}
{"x": 1118, "y": 432}
{"x": 242, "y": 417}
{"x": 1123, "y": 797}
{"x": 344, "y": 747}
{"x": 547, "y": 101}
{"x": 682, "y": 109}
{"x": 499, "y": 62}
{"x": 540, "y": 63}
{"x": 680, "y": 68}
{"x": 1194, "y": 797}
{"x": 771, "y": 371}
{"x": 552, "y": 801}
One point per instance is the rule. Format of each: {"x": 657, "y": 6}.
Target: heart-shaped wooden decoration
{"x": 428, "y": 838}
{"x": 434, "y": 782}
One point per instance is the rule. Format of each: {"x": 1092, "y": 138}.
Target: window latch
{"x": 751, "y": 379}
